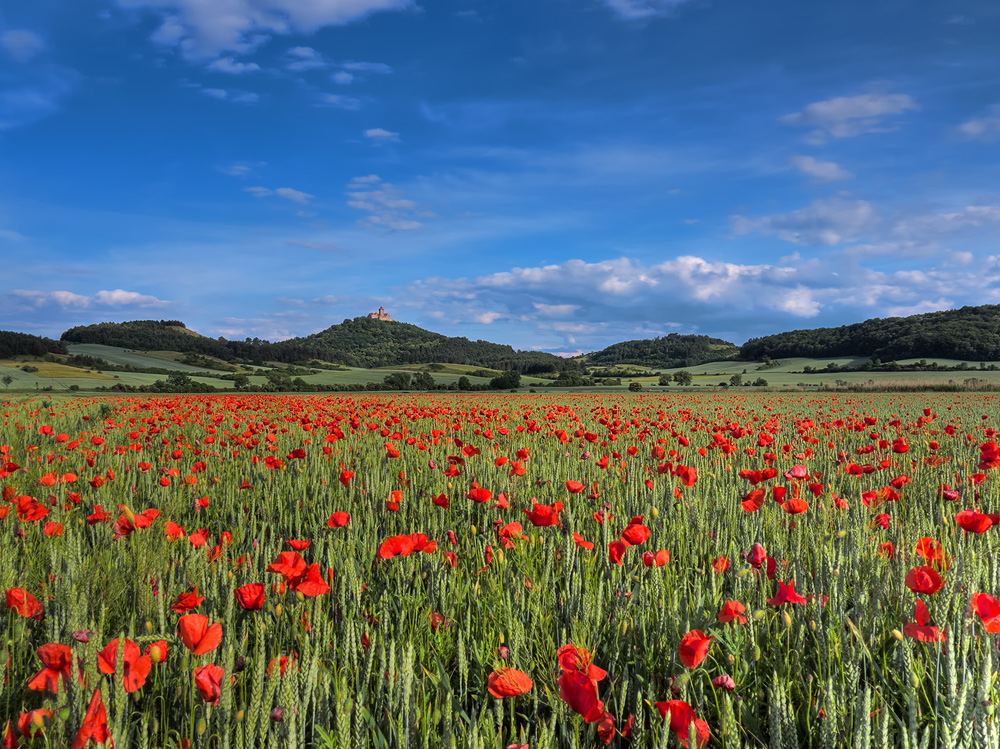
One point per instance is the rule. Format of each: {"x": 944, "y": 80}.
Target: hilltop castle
{"x": 380, "y": 315}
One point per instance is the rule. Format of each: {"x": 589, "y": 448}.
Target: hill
{"x": 24, "y": 344}
{"x": 673, "y": 350}
{"x": 361, "y": 342}
{"x": 970, "y": 334}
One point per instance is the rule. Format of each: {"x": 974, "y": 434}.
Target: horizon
{"x": 555, "y": 176}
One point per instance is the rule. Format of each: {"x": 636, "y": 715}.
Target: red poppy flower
{"x": 682, "y": 715}
{"x": 786, "y": 594}
{"x": 339, "y": 519}
{"x": 720, "y": 565}
{"x": 688, "y": 476}
{"x": 795, "y": 505}
{"x": 56, "y": 661}
{"x": 971, "y": 521}
{"x": 732, "y": 611}
{"x": 197, "y": 635}
{"x": 208, "y": 679}
{"x": 297, "y": 544}
{"x": 572, "y": 658}
{"x": 921, "y": 630}
{"x": 32, "y": 723}
{"x": 924, "y": 579}
{"x": 289, "y": 565}
{"x": 543, "y": 515}
{"x": 580, "y": 693}
{"x": 479, "y": 494}
{"x": 346, "y": 476}
{"x": 395, "y": 546}
{"x": 250, "y": 597}
{"x": 23, "y": 603}
{"x": 94, "y": 726}
{"x": 635, "y": 534}
{"x": 157, "y": 651}
{"x": 583, "y": 544}
{"x": 931, "y": 550}
{"x": 441, "y": 500}
{"x": 135, "y": 668}
{"x": 575, "y": 487}
{"x": 616, "y": 551}
{"x": 988, "y": 609}
{"x": 753, "y": 501}
{"x": 52, "y": 529}
{"x": 282, "y": 662}
{"x": 508, "y": 682}
{"x": 311, "y": 583}
{"x": 694, "y": 648}
{"x": 186, "y": 601}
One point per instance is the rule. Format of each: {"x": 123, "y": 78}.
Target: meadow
{"x": 530, "y": 571}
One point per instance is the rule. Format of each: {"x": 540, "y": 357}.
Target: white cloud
{"x": 366, "y": 67}
{"x": 303, "y": 59}
{"x": 342, "y": 77}
{"x": 555, "y": 310}
{"x": 973, "y": 216}
{"x": 232, "y": 95}
{"x": 384, "y": 204}
{"x": 21, "y": 45}
{"x": 638, "y": 9}
{"x": 116, "y": 298}
{"x": 824, "y": 222}
{"x": 824, "y": 170}
{"x": 205, "y": 28}
{"x": 232, "y": 67}
{"x": 379, "y": 135}
{"x": 341, "y": 102}
{"x": 284, "y": 192}
{"x": 986, "y": 128}
{"x": 848, "y": 116}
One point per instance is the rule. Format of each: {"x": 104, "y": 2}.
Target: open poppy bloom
{"x": 401, "y": 546}
{"x": 582, "y": 543}
{"x": 924, "y": 579}
{"x": 972, "y": 521}
{"x": 694, "y": 648}
{"x": 580, "y": 693}
{"x": 508, "y": 682}
{"x": 94, "y": 726}
{"x": 250, "y": 597}
{"x": 786, "y": 594}
{"x": 339, "y": 519}
{"x": 575, "y": 487}
{"x": 732, "y": 611}
{"x": 479, "y": 494}
{"x": 197, "y": 635}
{"x": 23, "y": 603}
{"x": 988, "y": 609}
{"x": 56, "y": 662}
{"x": 208, "y": 679}
{"x": 682, "y": 715}
{"x": 311, "y": 583}
{"x": 186, "y": 601}
{"x": 543, "y": 515}
{"x": 135, "y": 665}
{"x": 289, "y": 565}
{"x": 921, "y": 630}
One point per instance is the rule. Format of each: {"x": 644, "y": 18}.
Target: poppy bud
{"x": 756, "y": 652}
{"x": 202, "y": 726}
{"x": 277, "y": 610}
{"x": 500, "y": 555}
{"x": 278, "y": 715}
{"x": 300, "y": 595}
{"x": 812, "y": 624}
{"x": 473, "y": 530}
{"x": 241, "y": 663}
{"x": 155, "y": 654}
{"x": 897, "y": 634}
{"x": 758, "y": 615}
{"x": 149, "y": 626}
{"x": 64, "y": 714}
{"x": 230, "y": 574}
{"x": 914, "y": 681}
{"x": 654, "y": 512}
{"x": 787, "y": 618}
{"x": 239, "y": 715}
{"x": 841, "y": 534}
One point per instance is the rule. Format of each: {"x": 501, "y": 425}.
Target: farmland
{"x": 545, "y": 571}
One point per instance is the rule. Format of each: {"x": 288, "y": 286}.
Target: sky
{"x": 551, "y": 174}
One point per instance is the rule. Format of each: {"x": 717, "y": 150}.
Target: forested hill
{"x": 24, "y": 344}
{"x": 361, "y": 342}
{"x": 969, "y": 334}
{"x": 673, "y": 350}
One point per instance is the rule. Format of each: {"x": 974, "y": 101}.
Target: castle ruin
{"x": 380, "y": 315}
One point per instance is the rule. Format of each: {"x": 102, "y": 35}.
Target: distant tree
{"x": 508, "y": 380}
{"x": 179, "y": 381}
{"x": 665, "y": 379}
{"x": 6, "y": 380}
{"x": 423, "y": 381}
{"x": 241, "y": 381}
{"x": 464, "y": 383}
{"x": 760, "y": 382}
{"x": 635, "y": 387}
{"x": 683, "y": 377}
{"x": 736, "y": 380}
{"x": 397, "y": 381}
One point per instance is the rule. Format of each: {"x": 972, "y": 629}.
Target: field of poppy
{"x": 500, "y": 571}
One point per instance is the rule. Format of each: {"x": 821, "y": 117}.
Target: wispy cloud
{"x": 985, "y": 128}
{"x": 104, "y": 298}
{"x": 232, "y": 66}
{"x": 638, "y": 9}
{"x": 849, "y": 116}
{"x": 21, "y": 45}
{"x": 384, "y": 204}
{"x": 828, "y": 171}
{"x": 203, "y": 29}
{"x": 287, "y": 193}
{"x": 379, "y": 135}
{"x": 825, "y": 222}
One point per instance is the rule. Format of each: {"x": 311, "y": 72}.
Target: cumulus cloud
{"x": 637, "y": 9}
{"x": 232, "y": 66}
{"x": 825, "y": 222}
{"x": 848, "y": 116}
{"x": 282, "y": 192}
{"x": 301, "y": 59}
{"x": 985, "y": 128}
{"x": 384, "y": 204}
{"x": 21, "y": 45}
{"x": 827, "y": 171}
{"x": 104, "y": 298}
{"x": 379, "y": 135}
{"x": 205, "y": 28}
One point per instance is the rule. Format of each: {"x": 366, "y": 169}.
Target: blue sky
{"x": 553, "y": 174}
